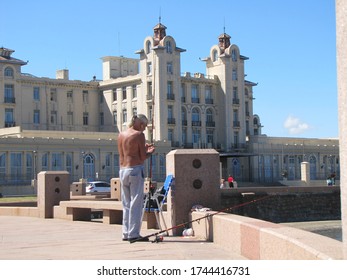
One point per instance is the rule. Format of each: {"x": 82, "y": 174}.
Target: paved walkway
{"x": 26, "y": 238}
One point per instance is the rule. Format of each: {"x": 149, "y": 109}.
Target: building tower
{"x": 226, "y": 62}
{"x": 160, "y": 64}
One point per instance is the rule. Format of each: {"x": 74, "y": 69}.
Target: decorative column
{"x": 305, "y": 172}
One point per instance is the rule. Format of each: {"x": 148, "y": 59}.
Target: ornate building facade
{"x": 62, "y": 124}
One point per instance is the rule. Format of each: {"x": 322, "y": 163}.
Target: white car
{"x": 98, "y": 186}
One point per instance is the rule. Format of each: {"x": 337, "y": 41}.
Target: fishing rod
{"x": 151, "y": 187}
{"x": 158, "y": 238}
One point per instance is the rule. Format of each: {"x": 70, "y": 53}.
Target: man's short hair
{"x": 141, "y": 117}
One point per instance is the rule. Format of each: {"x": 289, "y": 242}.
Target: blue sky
{"x": 290, "y": 45}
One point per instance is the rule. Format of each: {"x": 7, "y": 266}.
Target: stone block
{"x": 52, "y": 187}
{"x": 116, "y": 191}
{"x": 197, "y": 182}
{"x": 78, "y": 188}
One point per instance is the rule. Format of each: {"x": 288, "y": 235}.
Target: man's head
{"x": 139, "y": 122}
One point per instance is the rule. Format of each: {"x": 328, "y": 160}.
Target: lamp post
{"x": 82, "y": 153}
{"x": 34, "y": 164}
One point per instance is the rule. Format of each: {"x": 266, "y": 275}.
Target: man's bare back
{"x": 132, "y": 146}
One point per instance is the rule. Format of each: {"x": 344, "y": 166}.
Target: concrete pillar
{"x": 341, "y": 48}
{"x": 197, "y": 182}
{"x": 52, "y": 187}
{"x": 148, "y": 185}
{"x": 78, "y": 188}
{"x": 116, "y": 189}
{"x": 305, "y": 172}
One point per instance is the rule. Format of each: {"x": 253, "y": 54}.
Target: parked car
{"x": 98, "y": 186}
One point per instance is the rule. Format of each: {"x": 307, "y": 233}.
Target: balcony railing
{"x": 209, "y": 101}
{"x": 170, "y": 96}
{"x": 236, "y": 123}
{"x": 196, "y": 123}
{"x": 195, "y": 100}
{"x": 10, "y": 124}
{"x": 171, "y": 121}
{"x": 210, "y": 124}
{"x": 8, "y": 99}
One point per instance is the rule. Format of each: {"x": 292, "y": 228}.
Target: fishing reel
{"x": 158, "y": 238}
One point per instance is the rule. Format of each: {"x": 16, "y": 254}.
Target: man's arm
{"x": 142, "y": 147}
{"x": 120, "y": 149}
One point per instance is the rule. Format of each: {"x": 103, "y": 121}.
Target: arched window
{"x": 168, "y": 47}
{"x": 162, "y": 166}
{"x": 29, "y": 166}
{"x": 214, "y": 55}
{"x": 234, "y": 74}
{"x": 2, "y": 167}
{"x": 313, "y": 167}
{"x": 234, "y": 55}
{"x": 108, "y": 164}
{"x": 148, "y": 47}
{"x": 209, "y": 116}
{"x": 16, "y": 166}
{"x": 9, "y": 72}
{"x": 44, "y": 162}
{"x": 195, "y": 115}
{"x": 89, "y": 167}
{"x": 68, "y": 163}
{"x": 184, "y": 116}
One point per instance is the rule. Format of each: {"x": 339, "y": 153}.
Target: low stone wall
{"x": 285, "y": 204}
{"x": 260, "y": 240}
{"x": 20, "y": 190}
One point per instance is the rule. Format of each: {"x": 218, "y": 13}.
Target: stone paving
{"x": 27, "y": 238}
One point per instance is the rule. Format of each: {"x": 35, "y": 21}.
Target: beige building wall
{"x": 278, "y": 158}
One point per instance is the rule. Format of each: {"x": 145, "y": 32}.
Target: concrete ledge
{"x": 261, "y": 240}
{"x": 80, "y": 210}
{"x": 19, "y": 211}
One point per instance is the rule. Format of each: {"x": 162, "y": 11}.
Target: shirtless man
{"x": 133, "y": 151}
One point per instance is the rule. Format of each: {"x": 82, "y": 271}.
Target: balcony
{"x": 9, "y": 99}
{"x": 170, "y": 96}
{"x": 184, "y": 122}
{"x": 10, "y": 124}
{"x": 196, "y": 123}
{"x": 195, "y": 100}
{"x": 210, "y": 124}
{"x": 236, "y": 101}
{"x": 209, "y": 101}
{"x": 236, "y": 124}
{"x": 171, "y": 121}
